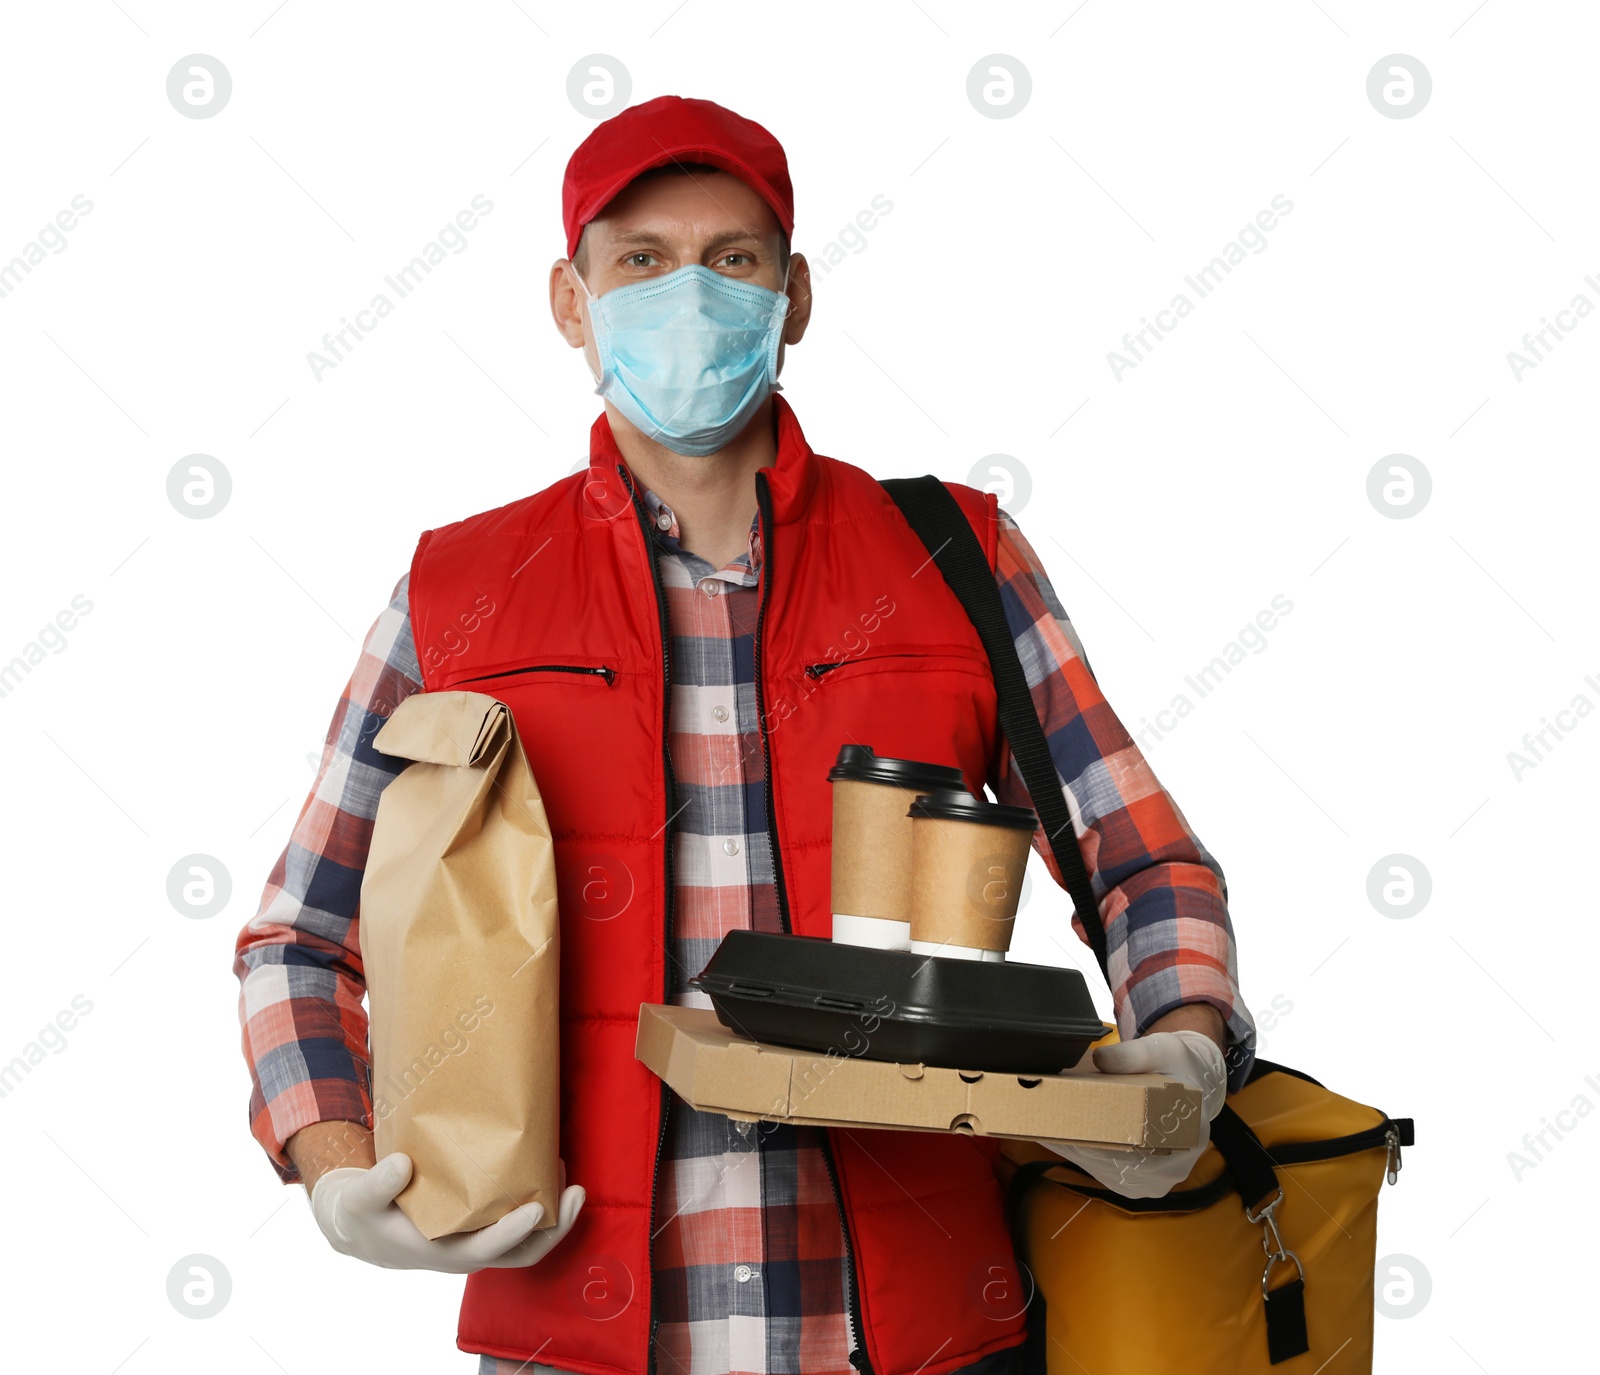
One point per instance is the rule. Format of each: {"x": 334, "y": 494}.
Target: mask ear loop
{"x": 788, "y": 305}
{"x": 590, "y": 297}
{"x": 788, "y": 271}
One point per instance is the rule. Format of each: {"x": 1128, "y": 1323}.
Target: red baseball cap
{"x": 672, "y": 128}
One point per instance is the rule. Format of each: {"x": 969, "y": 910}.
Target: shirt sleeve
{"x": 298, "y": 960}
{"x": 1163, "y": 898}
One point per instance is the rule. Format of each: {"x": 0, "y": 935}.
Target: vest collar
{"x": 791, "y": 477}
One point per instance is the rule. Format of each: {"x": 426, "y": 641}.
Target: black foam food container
{"x": 806, "y": 991}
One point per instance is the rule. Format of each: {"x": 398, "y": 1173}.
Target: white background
{"x": 1229, "y": 466}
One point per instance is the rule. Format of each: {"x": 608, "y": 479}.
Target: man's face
{"x": 660, "y": 223}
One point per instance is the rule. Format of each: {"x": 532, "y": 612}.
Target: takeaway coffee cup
{"x": 968, "y": 856}
{"x": 872, "y": 843}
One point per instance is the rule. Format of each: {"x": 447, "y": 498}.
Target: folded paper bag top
{"x": 459, "y": 937}
{"x": 456, "y": 728}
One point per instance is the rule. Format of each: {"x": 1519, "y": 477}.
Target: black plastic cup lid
{"x": 957, "y": 804}
{"x": 858, "y": 764}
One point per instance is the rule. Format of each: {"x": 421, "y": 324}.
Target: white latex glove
{"x": 357, "y": 1213}
{"x": 1137, "y": 1172}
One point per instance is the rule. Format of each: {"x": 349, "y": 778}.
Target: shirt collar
{"x": 665, "y": 529}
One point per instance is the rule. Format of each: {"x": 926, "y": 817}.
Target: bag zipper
{"x": 667, "y": 897}
{"x": 852, "y": 1313}
{"x": 1385, "y": 1134}
{"x": 609, "y": 674}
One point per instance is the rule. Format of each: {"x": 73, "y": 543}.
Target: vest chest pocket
{"x": 569, "y": 717}
{"x": 901, "y": 660}
{"x": 935, "y": 704}
{"x": 598, "y": 671}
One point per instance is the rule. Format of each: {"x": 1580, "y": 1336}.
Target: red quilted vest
{"x": 552, "y": 604}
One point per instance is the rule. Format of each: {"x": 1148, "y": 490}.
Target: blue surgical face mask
{"x": 688, "y": 356}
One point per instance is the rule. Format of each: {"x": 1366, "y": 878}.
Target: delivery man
{"x": 649, "y": 621}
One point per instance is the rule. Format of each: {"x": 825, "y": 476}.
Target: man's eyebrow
{"x": 650, "y": 238}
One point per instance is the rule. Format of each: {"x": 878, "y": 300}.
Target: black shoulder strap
{"x": 943, "y": 527}
{"x": 941, "y": 524}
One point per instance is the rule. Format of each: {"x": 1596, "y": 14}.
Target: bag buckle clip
{"x": 1266, "y": 1217}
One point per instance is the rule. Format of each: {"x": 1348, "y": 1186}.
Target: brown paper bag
{"x": 460, "y": 943}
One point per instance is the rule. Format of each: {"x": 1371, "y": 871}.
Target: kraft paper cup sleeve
{"x": 871, "y": 850}
{"x": 966, "y": 882}
{"x": 460, "y": 943}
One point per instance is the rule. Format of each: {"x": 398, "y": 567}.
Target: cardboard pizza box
{"x": 717, "y": 1070}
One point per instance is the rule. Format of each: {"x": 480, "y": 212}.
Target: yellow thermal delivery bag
{"x": 1177, "y": 1285}
{"x": 1260, "y": 1261}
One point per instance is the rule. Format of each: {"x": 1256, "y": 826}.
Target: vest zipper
{"x": 764, "y": 507}
{"x": 852, "y": 1314}
{"x": 817, "y": 670}
{"x": 609, "y": 674}
{"x": 667, "y": 899}
{"x": 858, "y": 1349}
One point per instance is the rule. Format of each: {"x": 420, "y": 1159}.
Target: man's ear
{"x": 799, "y": 316}
{"x": 567, "y": 302}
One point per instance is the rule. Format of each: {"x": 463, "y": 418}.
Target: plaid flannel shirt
{"x": 749, "y": 1253}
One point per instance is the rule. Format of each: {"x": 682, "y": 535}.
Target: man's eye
{"x": 743, "y": 258}
{"x": 635, "y": 257}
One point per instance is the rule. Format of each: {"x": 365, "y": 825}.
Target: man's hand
{"x": 356, "y": 1211}
{"x": 1195, "y": 1058}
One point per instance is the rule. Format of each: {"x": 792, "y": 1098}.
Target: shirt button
{"x": 730, "y": 847}
{"x": 742, "y": 1273}
{"x": 664, "y": 520}
{"x": 712, "y": 586}
{"x": 720, "y": 713}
